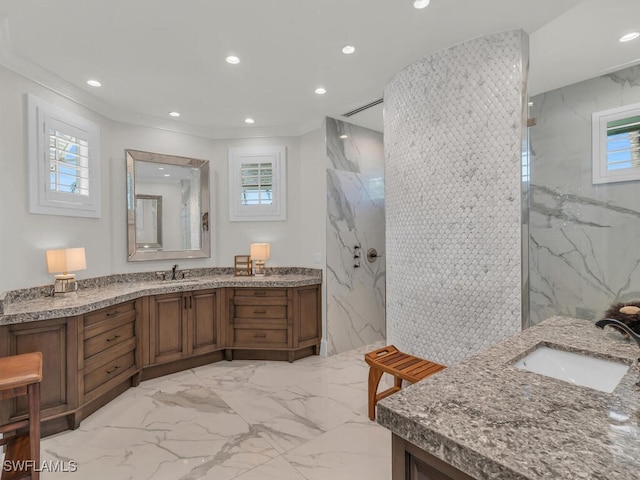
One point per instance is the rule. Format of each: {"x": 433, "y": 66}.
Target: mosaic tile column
{"x": 454, "y": 124}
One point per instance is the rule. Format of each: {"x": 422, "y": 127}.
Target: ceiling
{"x": 157, "y": 56}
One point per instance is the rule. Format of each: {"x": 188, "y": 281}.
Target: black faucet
{"x": 620, "y": 326}
{"x": 174, "y": 269}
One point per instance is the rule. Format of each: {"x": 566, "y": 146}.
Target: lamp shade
{"x": 66, "y": 260}
{"x": 260, "y": 251}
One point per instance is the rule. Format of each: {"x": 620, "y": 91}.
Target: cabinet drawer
{"x": 261, "y": 311}
{"x": 98, "y": 343}
{"x": 111, "y": 313}
{"x": 260, "y": 292}
{"x": 260, "y": 336}
{"x": 108, "y": 371}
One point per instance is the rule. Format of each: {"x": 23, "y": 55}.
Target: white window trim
{"x": 599, "y": 121}
{"x": 42, "y": 200}
{"x": 276, "y": 211}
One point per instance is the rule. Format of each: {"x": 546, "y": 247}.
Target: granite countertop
{"x": 493, "y": 421}
{"x": 37, "y": 303}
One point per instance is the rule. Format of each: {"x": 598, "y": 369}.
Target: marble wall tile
{"x": 454, "y": 125}
{"x": 584, "y": 252}
{"x": 355, "y": 217}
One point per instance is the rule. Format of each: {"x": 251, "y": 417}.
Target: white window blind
{"x": 623, "y": 143}
{"x": 69, "y": 163}
{"x": 257, "y": 183}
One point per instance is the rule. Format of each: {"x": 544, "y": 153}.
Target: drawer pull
{"x": 112, "y": 314}
{"x": 260, "y": 293}
{"x": 115, "y": 337}
{"x": 259, "y": 311}
{"x": 111, "y": 370}
{"x": 260, "y": 335}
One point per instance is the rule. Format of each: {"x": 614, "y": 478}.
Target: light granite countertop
{"x": 493, "y": 421}
{"x": 37, "y": 303}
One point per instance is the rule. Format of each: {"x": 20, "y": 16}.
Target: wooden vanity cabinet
{"x": 409, "y": 462}
{"x": 182, "y": 324}
{"x": 273, "y": 323}
{"x": 90, "y": 359}
{"x": 57, "y": 340}
{"x": 108, "y": 351}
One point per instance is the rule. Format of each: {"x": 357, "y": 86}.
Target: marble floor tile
{"x": 348, "y": 452}
{"x": 240, "y": 420}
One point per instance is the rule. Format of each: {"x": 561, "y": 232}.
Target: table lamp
{"x": 259, "y": 253}
{"x": 62, "y": 262}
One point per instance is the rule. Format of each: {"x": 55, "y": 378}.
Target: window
{"x": 64, "y": 162}
{"x": 257, "y": 179}
{"x": 616, "y": 145}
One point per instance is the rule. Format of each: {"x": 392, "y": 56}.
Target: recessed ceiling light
{"x": 174, "y": 114}
{"x": 344, "y": 136}
{"x": 160, "y": 168}
{"x": 167, "y": 175}
{"x": 348, "y": 49}
{"x": 531, "y": 104}
{"x": 320, "y": 91}
{"x": 421, "y": 3}
{"x": 629, "y": 36}
{"x": 249, "y": 120}
{"x": 233, "y": 60}
{"x": 94, "y": 83}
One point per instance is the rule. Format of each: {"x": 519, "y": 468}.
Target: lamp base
{"x": 65, "y": 284}
{"x": 259, "y": 268}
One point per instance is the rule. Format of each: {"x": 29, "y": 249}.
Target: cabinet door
{"x": 309, "y": 324}
{"x": 203, "y": 322}
{"x": 168, "y": 327}
{"x": 57, "y": 340}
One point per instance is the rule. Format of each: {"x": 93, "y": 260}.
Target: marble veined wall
{"x": 454, "y": 124}
{"x": 584, "y": 239}
{"x": 355, "y": 216}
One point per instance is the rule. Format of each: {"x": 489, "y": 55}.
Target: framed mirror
{"x": 167, "y": 207}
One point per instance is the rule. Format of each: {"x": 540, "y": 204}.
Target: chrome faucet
{"x": 620, "y": 326}
{"x": 174, "y": 270}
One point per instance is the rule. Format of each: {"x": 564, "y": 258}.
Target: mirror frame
{"x": 139, "y": 255}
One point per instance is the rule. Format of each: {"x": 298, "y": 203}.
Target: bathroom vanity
{"x": 485, "y": 418}
{"x": 119, "y": 330}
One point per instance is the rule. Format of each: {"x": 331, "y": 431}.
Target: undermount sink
{"x": 576, "y": 368}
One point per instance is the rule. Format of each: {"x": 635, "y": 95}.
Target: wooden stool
{"x": 21, "y": 375}
{"x": 402, "y": 366}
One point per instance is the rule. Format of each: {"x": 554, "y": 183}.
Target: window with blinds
{"x": 623, "y": 143}
{"x": 64, "y": 161}
{"x": 257, "y": 183}
{"x": 68, "y": 163}
{"x": 616, "y": 144}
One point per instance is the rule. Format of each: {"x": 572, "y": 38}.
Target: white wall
{"x": 24, "y": 237}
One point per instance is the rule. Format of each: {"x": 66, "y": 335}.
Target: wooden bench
{"x": 401, "y": 365}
